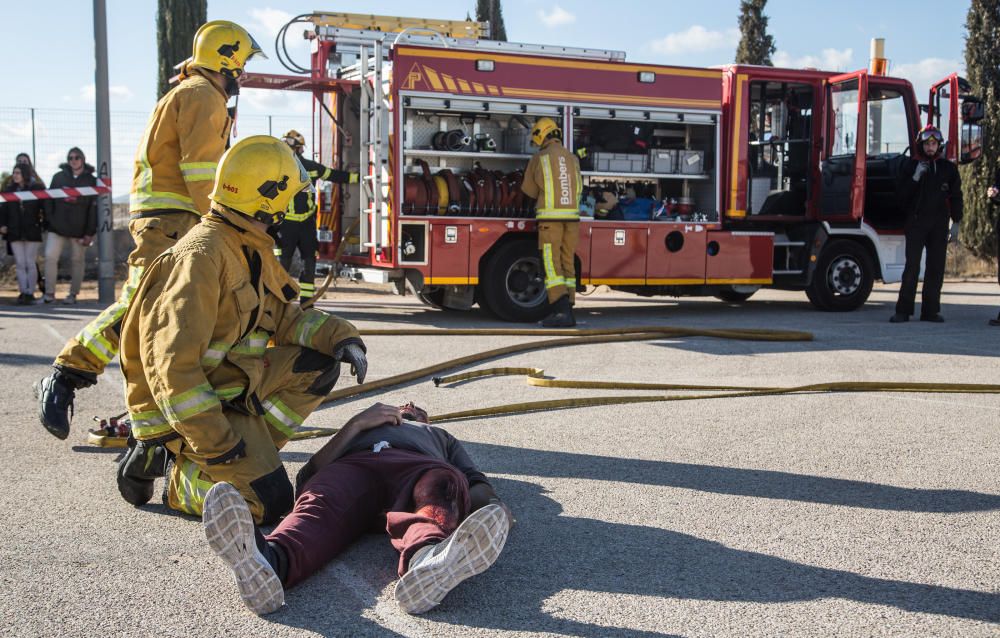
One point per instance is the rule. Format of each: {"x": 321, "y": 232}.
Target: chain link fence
{"x": 47, "y": 134}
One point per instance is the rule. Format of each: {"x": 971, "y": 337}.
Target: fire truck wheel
{"x": 513, "y": 284}
{"x": 845, "y": 274}
{"x": 731, "y": 295}
{"x": 432, "y": 296}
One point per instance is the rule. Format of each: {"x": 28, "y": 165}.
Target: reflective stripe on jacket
{"x": 197, "y": 330}
{"x": 553, "y": 179}
{"x": 181, "y": 147}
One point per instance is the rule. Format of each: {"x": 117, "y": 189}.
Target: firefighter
{"x": 174, "y": 168}
{"x": 221, "y": 366}
{"x": 553, "y": 179}
{"x": 993, "y": 195}
{"x": 299, "y": 228}
{"x": 930, "y": 191}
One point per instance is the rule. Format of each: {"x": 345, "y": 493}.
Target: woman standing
{"x": 21, "y": 224}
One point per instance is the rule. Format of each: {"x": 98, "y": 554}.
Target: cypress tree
{"x": 982, "y": 63}
{"x": 176, "y": 23}
{"x": 756, "y": 46}
{"x": 490, "y": 11}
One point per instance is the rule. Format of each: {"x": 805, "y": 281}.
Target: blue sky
{"x": 50, "y": 51}
{"x": 924, "y": 39}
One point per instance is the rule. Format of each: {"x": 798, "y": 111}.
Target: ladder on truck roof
{"x": 371, "y": 38}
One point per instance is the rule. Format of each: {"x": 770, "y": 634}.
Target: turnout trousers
{"x": 935, "y": 240}
{"x": 301, "y": 236}
{"x": 417, "y": 499}
{"x": 557, "y": 242}
{"x": 90, "y": 351}
{"x": 295, "y": 382}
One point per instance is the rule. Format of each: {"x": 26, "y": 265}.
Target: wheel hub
{"x": 845, "y": 276}
{"x": 524, "y": 282}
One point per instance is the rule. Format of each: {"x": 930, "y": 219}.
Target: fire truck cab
{"x": 714, "y": 181}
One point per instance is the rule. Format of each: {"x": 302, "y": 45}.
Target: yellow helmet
{"x": 258, "y": 177}
{"x": 544, "y": 127}
{"x": 223, "y": 46}
{"x": 294, "y": 139}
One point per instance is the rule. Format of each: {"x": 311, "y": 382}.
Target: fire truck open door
{"x": 842, "y": 174}
{"x": 957, "y": 114}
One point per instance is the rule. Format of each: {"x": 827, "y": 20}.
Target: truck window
{"x": 888, "y": 130}
{"x": 844, "y": 140}
{"x": 779, "y": 142}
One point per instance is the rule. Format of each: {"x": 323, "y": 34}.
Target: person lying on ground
{"x": 386, "y": 467}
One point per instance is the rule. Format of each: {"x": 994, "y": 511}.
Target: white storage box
{"x": 619, "y": 162}
{"x": 662, "y": 160}
{"x": 691, "y": 162}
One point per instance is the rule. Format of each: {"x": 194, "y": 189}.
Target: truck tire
{"x": 730, "y": 295}
{"x": 845, "y": 274}
{"x": 512, "y": 283}
{"x": 432, "y": 296}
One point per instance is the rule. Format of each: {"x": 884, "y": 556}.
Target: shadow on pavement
{"x": 498, "y": 459}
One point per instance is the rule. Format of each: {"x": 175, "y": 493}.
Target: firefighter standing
{"x": 553, "y": 179}
{"x": 203, "y": 385}
{"x": 174, "y": 169}
{"x": 930, "y": 190}
{"x": 299, "y": 228}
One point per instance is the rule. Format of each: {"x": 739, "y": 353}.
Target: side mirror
{"x": 971, "y": 147}
{"x": 973, "y": 110}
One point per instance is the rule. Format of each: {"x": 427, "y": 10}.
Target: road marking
{"x": 54, "y": 333}
{"x": 386, "y": 612}
{"x": 958, "y": 403}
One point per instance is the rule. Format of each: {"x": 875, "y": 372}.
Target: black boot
{"x": 138, "y": 468}
{"x": 562, "y": 315}
{"x": 55, "y": 395}
{"x": 995, "y": 322}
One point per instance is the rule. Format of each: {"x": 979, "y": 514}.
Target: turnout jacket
{"x": 195, "y": 334}
{"x": 73, "y": 216}
{"x": 935, "y": 197}
{"x": 553, "y": 179}
{"x": 303, "y": 205}
{"x": 180, "y": 150}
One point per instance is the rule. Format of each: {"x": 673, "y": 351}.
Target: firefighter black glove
{"x": 353, "y": 354}
{"x": 920, "y": 170}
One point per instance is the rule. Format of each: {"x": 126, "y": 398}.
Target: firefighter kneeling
{"x": 553, "y": 179}
{"x": 220, "y": 366}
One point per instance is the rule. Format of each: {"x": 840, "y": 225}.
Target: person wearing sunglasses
{"x": 930, "y": 191}
{"x": 72, "y": 222}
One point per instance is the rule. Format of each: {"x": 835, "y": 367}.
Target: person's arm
{"x": 375, "y": 416}
{"x": 906, "y": 187}
{"x": 528, "y": 185}
{"x": 956, "y": 205}
{"x": 318, "y": 171}
{"x": 177, "y": 316}
{"x": 203, "y": 123}
{"x": 324, "y": 333}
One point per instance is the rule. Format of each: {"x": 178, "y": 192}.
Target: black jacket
{"x": 73, "y": 216}
{"x": 935, "y": 198}
{"x": 23, "y": 219}
{"x": 304, "y": 202}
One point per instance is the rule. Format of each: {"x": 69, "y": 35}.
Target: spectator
{"x": 23, "y": 158}
{"x": 993, "y": 193}
{"x": 71, "y": 221}
{"x": 21, "y": 224}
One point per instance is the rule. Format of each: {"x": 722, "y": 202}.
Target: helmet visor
{"x": 256, "y": 50}
{"x": 931, "y": 134}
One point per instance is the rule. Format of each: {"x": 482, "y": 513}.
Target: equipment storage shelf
{"x": 424, "y": 152}
{"x": 646, "y": 165}
{"x": 641, "y": 176}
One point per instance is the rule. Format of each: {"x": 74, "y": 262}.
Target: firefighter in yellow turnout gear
{"x": 298, "y": 231}
{"x": 221, "y": 366}
{"x": 553, "y": 179}
{"x": 175, "y": 168}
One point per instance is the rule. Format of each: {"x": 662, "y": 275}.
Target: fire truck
{"x": 698, "y": 181}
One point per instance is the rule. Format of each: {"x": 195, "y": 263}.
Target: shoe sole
{"x": 229, "y": 530}
{"x": 471, "y": 549}
{"x": 62, "y": 435}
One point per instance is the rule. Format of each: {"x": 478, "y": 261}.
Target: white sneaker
{"x": 229, "y": 530}
{"x": 437, "y": 569}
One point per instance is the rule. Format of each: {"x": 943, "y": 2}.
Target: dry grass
{"x": 962, "y": 264}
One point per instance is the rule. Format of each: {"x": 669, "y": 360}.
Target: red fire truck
{"x": 699, "y": 181}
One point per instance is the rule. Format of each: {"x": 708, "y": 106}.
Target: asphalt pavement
{"x": 807, "y": 515}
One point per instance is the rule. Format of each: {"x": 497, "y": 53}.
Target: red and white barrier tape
{"x": 103, "y": 186}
